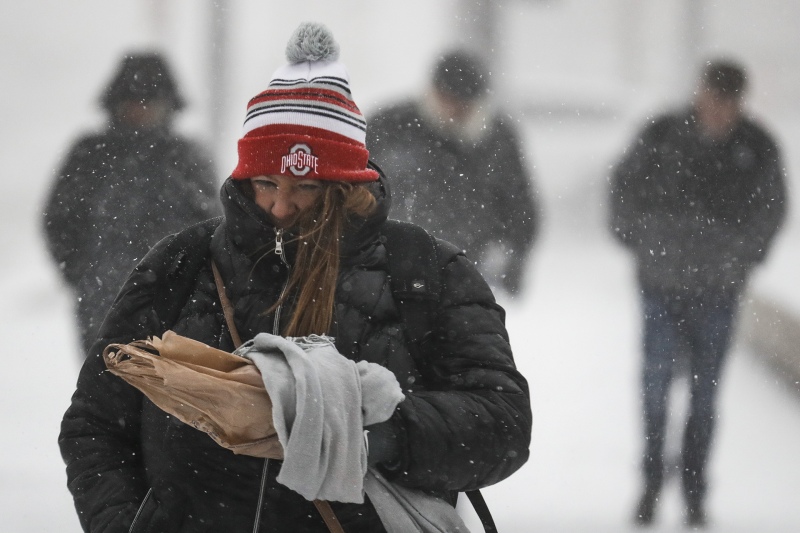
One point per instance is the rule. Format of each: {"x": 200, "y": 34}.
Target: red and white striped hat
{"x": 306, "y": 124}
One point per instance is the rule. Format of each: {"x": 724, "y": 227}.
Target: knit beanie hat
{"x": 461, "y": 74}
{"x": 306, "y": 124}
{"x": 725, "y": 76}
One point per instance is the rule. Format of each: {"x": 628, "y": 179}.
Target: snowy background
{"x": 580, "y": 75}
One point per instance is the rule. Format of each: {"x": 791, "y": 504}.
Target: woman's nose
{"x": 283, "y": 207}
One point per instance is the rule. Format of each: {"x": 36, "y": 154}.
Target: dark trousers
{"x": 699, "y": 329}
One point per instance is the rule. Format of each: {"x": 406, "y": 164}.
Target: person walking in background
{"x": 302, "y": 251}
{"x": 697, "y": 199}
{"x": 458, "y": 170}
{"x": 121, "y": 190}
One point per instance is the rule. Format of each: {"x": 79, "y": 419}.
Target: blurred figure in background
{"x": 122, "y": 189}
{"x": 697, "y": 198}
{"x": 459, "y": 171}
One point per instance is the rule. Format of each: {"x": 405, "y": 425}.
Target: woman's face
{"x": 284, "y": 199}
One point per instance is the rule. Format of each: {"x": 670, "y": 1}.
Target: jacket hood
{"x": 142, "y": 77}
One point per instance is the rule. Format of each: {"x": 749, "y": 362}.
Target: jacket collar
{"x": 250, "y": 229}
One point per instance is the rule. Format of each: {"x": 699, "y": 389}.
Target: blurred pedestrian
{"x": 457, "y": 168}
{"x": 697, "y": 198}
{"x": 122, "y": 189}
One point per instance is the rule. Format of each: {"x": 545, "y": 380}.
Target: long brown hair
{"x": 316, "y": 267}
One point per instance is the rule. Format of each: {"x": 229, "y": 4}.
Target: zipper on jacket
{"x": 276, "y": 324}
{"x": 261, "y": 491}
{"x": 276, "y": 328}
{"x": 279, "y": 243}
{"x": 141, "y": 507}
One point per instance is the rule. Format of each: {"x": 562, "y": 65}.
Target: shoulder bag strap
{"x": 413, "y": 277}
{"x": 323, "y": 507}
{"x": 328, "y": 516}
{"x": 227, "y": 307}
{"x": 482, "y": 510}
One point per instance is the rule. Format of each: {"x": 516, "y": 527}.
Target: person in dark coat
{"x": 121, "y": 190}
{"x": 300, "y": 251}
{"x": 458, "y": 169}
{"x": 697, "y": 199}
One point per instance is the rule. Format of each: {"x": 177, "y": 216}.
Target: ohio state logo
{"x": 300, "y": 161}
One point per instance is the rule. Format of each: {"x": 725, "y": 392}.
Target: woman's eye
{"x": 264, "y": 184}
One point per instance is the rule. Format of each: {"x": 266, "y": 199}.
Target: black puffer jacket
{"x": 117, "y": 194}
{"x": 698, "y": 214}
{"x": 465, "y": 422}
{"x": 473, "y": 193}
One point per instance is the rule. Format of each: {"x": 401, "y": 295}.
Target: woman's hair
{"x": 316, "y": 268}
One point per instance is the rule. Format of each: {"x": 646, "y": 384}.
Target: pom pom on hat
{"x": 306, "y": 124}
{"x": 311, "y": 42}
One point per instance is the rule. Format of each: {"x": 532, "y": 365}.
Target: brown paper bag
{"x": 214, "y": 391}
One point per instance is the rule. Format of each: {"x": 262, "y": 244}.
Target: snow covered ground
{"x": 575, "y": 334}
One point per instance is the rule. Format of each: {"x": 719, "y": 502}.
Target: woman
{"x": 300, "y": 252}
